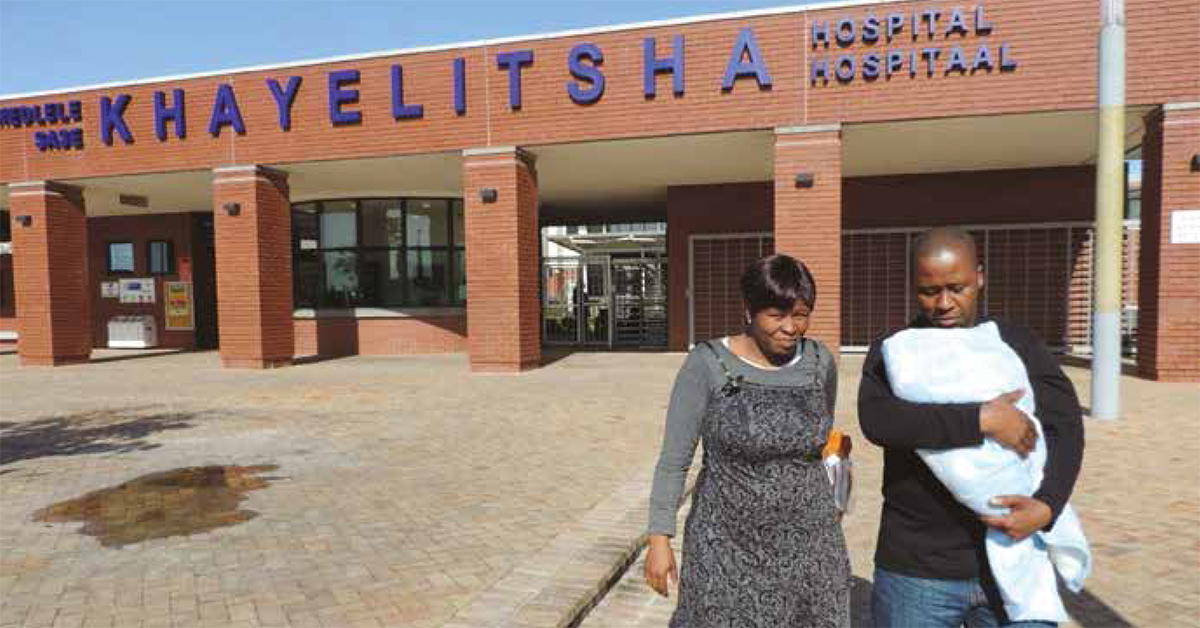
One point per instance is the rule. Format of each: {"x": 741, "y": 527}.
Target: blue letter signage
{"x": 284, "y": 99}
{"x": 652, "y": 66}
{"x": 111, "y": 119}
{"x": 225, "y": 112}
{"x": 745, "y": 60}
{"x": 162, "y": 113}
{"x": 924, "y": 24}
{"x": 587, "y": 73}
{"x": 339, "y": 97}
{"x": 513, "y": 62}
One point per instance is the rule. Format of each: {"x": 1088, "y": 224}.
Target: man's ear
{"x": 979, "y": 276}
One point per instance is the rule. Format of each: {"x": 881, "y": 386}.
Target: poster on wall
{"x": 137, "y": 290}
{"x": 1185, "y": 226}
{"x": 180, "y": 313}
{"x": 110, "y": 289}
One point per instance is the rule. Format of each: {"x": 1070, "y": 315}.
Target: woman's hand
{"x": 660, "y": 564}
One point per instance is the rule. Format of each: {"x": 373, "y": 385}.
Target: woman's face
{"x": 777, "y": 331}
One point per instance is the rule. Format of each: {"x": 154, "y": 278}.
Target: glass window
{"x": 460, "y": 276}
{"x": 339, "y": 225}
{"x": 161, "y": 257}
{"x": 341, "y": 278}
{"x": 387, "y": 252}
{"x": 427, "y": 274}
{"x": 382, "y": 278}
{"x": 5, "y": 226}
{"x": 428, "y": 223}
{"x": 307, "y": 285}
{"x": 120, "y": 257}
{"x": 460, "y": 223}
{"x": 382, "y": 222}
{"x": 306, "y": 234}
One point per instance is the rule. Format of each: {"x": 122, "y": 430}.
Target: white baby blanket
{"x": 965, "y": 365}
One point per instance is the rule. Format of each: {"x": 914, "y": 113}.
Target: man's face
{"x": 948, "y": 285}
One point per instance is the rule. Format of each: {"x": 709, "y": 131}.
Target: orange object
{"x": 838, "y": 444}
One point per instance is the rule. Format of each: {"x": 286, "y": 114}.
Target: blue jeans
{"x": 899, "y": 601}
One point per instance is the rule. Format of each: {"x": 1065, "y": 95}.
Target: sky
{"x": 47, "y": 45}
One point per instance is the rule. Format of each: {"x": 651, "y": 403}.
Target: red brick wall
{"x": 955, "y": 198}
{"x": 254, "y": 267}
{"x": 503, "y": 262}
{"x": 50, "y": 275}
{"x": 706, "y": 209}
{"x": 1169, "y": 301}
{"x": 381, "y": 336}
{"x": 808, "y": 221}
{"x": 989, "y": 197}
{"x": 1053, "y": 44}
{"x": 139, "y": 230}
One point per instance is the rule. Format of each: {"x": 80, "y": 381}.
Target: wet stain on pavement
{"x": 179, "y": 502}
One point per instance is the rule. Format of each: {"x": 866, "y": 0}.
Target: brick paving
{"x": 408, "y": 486}
{"x": 411, "y": 493}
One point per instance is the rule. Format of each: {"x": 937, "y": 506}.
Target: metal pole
{"x": 1110, "y": 200}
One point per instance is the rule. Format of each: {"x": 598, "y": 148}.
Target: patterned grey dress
{"x": 762, "y": 544}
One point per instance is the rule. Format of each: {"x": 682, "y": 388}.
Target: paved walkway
{"x": 408, "y": 485}
{"x": 411, "y": 493}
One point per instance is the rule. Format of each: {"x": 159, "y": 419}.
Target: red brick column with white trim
{"x": 253, "y": 240}
{"x": 50, "y": 273}
{"x": 808, "y": 216}
{"x": 1169, "y": 273}
{"x": 502, "y": 249}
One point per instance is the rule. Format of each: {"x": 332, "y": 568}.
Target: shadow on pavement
{"x": 138, "y": 355}
{"x": 316, "y": 359}
{"x": 103, "y": 431}
{"x": 1090, "y": 611}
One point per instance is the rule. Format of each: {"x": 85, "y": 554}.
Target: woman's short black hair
{"x": 777, "y": 281}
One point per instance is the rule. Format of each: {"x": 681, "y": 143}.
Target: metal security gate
{"x": 714, "y": 298}
{"x": 639, "y": 302}
{"x": 603, "y": 300}
{"x": 1039, "y": 275}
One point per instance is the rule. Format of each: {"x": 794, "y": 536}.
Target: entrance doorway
{"x": 204, "y": 281}
{"x": 605, "y": 300}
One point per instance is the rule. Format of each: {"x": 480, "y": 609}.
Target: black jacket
{"x": 924, "y": 531}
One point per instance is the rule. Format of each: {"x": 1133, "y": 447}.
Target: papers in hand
{"x": 836, "y": 457}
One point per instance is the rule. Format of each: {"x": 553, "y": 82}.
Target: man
{"x": 930, "y": 565}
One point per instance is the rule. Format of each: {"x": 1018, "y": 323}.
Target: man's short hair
{"x": 939, "y": 239}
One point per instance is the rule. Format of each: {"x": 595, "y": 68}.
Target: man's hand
{"x": 1026, "y": 516}
{"x": 1004, "y": 423}
{"x": 660, "y": 564}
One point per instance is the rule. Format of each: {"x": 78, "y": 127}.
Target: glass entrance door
{"x": 604, "y": 301}
{"x": 596, "y": 304}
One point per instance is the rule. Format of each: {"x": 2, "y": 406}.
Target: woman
{"x": 762, "y": 544}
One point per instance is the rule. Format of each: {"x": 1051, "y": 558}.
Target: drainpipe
{"x": 1110, "y": 200}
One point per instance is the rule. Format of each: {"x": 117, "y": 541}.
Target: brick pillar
{"x": 808, "y": 220}
{"x": 50, "y": 273}
{"x": 1169, "y": 274}
{"x": 254, "y": 266}
{"x": 503, "y": 301}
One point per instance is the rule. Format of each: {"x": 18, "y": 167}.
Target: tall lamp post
{"x": 1110, "y": 197}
